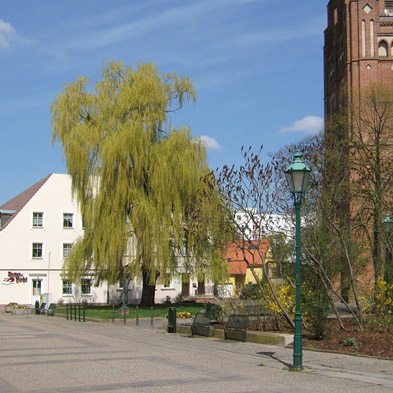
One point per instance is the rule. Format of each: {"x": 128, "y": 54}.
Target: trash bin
{"x": 37, "y": 307}
{"x": 172, "y": 320}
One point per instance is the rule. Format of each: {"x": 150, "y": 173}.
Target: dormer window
{"x": 5, "y": 215}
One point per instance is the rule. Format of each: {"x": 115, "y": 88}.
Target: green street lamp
{"x": 297, "y": 175}
{"x": 387, "y": 223}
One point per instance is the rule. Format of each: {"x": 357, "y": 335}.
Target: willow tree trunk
{"x": 148, "y": 291}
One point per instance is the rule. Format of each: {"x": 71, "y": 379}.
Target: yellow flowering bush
{"x": 286, "y": 296}
{"x": 378, "y": 304}
{"x": 184, "y": 315}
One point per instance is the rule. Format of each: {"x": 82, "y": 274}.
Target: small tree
{"x": 249, "y": 191}
{"x": 327, "y": 248}
{"x": 371, "y": 146}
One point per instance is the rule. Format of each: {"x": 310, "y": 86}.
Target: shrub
{"x": 379, "y": 304}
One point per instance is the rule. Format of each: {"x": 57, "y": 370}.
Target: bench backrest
{"x": 201, "y": 319}
{"x": 237, "y": 321}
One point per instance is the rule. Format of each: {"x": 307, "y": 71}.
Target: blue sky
{"x": 257, "y": 66}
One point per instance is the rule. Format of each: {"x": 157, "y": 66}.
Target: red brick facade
{"x": 358, "y": 51}
{"x": 358, "y": 47}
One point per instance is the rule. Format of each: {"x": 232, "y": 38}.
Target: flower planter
{"x": 21, "y": 311}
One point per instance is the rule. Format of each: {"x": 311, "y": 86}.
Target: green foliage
{"x": 315, "y": 305}
{"x": 352, "y": 342}
{"x": 250, "y": 291}
{"x": 316, "y": 313}
{"x": 137, "y": 179}
{"x": 216, "y": 313}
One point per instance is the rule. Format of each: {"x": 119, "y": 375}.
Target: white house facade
{"x": 37, "y": 229}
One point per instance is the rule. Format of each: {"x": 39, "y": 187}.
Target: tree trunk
{"x": 148, "y": 291}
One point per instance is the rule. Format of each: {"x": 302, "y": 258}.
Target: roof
{"x": 237, "y": 268}
{"x": 17, "y": 203}
{"x": 243, "y": 253}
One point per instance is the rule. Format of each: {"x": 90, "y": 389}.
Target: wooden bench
{"x": 51, "y": 309}
{"x": 236, "y": 324}
{"x": 42, "y": 308}
{"x": 200, "y": 324}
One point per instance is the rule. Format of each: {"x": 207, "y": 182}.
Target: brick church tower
{"x": 358, "y": 47}
{"x": 358, "y": 53}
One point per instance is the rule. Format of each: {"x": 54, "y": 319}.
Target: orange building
{"x": 243, "y": 257}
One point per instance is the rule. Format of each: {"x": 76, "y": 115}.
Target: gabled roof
{"x": 237, "y": 255}
{"x": 17, "y": 203}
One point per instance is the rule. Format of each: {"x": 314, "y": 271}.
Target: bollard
{"x": 71, "y": 311}
{"x": 75, "y": 313}
{"x": 67, "y": 311}
{"x": 37, "y": 307}
{"x": 84, "y": 312}
{"x": 137, "y": 316}
{"x": 113, "y": 313}
{"x": 125, "y": 314}
{"x": 79, "y": 312}
{"x": 151, "y": 317}
{"x": 172, "y": 320}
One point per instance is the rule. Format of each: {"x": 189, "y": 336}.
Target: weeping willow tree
{"x": 139, "y": 181}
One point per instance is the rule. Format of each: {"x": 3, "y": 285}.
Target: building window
{"x": 36, "y": 287}
{"x": 167, "y": 283}
{"x": 383, "y": 49}
{"x": 372, "y": 38}
{"x": 37, "y": 250}
{"x": 67, "y": 288}
{"x": 38, "y": 221}
{"x": 86, "y": 286}
{"x": 68, "y": 220}
{"x": 66, "y": 249}
{"x": 389, "y": 5}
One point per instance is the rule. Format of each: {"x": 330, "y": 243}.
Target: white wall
{"x": 16, "y": 239}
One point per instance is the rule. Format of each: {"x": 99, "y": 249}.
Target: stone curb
{"x": 253, "y": 337}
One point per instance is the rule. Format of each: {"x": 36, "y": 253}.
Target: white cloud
{"x": 210, "y": 143}
{"x": 7, "y": 34}
{"x": 309, "y": 124}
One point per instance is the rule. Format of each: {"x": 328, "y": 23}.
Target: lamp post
{"x": 297, "y": 175}
{"x": 387, "y": 223}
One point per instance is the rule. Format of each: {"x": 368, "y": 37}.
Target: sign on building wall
{"x": 14, "y": 278}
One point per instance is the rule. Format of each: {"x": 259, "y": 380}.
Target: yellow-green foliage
{"x": 379, "y": 303}
{"x": 137, "y": 179}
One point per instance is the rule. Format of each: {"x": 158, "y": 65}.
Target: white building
{"x": 255, "y": 225}
{"x": 37, "y": 229}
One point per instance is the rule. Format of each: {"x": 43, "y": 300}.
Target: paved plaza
{"x": 50, "y": 354}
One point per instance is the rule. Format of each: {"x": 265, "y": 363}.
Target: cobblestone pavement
{"x": 49, "y": 354}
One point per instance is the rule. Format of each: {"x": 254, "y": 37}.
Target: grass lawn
{"x": 159, "y": 310}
